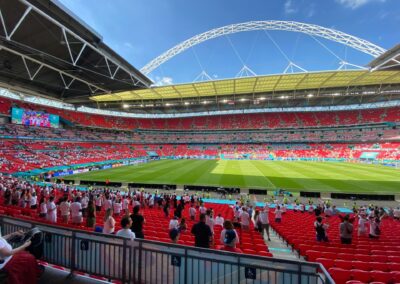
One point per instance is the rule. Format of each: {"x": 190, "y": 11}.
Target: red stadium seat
{"x": 340, "y": 275}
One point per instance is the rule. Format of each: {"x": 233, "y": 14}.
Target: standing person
{"x": 65, "y": 208}
{"x": 320, "y": 229}
{"x": 33, "y": 201}
{"x": 210, "y": 219}
{"x": 229, "y": 237}
{"x": 278, "y": 214}
{"x": 346, "y": 230}
{"x": 125, "y": 232}
{"x": 192, "y": 212}
{"x": 84, "y": 202}
{"x": 76, "y": 211}
{"x": 117, "y": 206}
{"x": 99, "y": 202}
{"x": 51, "y": 210}
{"x": 374, "y": 228}
{"x": 174, "y": 229}
{"x": 109, "y": 222}
{"x": 264, "y": 221}
{"x": 257, "y": 223}
{"x": 219, "y": 221}
{"x": 137, "y": 223}
{"x": 166, "y": 209}
{"x": 362, "y": 224}
{"x": 202, "y": 233}
{"x": 125, "y": 205}
{"x": 245, "y": 219}
{"x": 43, "y": 208}
{"x": 91, "y": 215}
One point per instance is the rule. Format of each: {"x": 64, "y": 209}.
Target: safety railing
{"x": 142, "y": 261}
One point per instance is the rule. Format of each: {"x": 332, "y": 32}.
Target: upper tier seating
{"x": 235, "y": 121}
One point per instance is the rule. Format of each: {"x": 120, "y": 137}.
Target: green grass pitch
{"x": 294, "y": 176}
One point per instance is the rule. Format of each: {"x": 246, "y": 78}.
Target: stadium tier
{"x": 293, "y": 120}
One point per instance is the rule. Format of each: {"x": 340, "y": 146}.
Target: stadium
{"x": 122, "y": 174}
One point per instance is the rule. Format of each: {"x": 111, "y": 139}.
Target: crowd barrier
{"x": 142, "y": 261}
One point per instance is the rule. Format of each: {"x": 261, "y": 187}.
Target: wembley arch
{"x": 291, "y": 26}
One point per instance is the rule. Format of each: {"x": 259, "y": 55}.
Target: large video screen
{"x": 34, "y": 118}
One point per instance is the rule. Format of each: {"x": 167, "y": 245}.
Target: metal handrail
{"x": 145, "y": 261}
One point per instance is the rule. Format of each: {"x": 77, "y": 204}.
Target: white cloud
{"x": 128, "y": 45}
{"x": 311, "y": 11}
{"x": 162, "y": 81}
{"x": 354, "y": 4}
{"x": 289, "y": 8}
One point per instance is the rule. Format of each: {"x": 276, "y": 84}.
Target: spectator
{"x": 346, "y": 230}
{"x": 210, "y": 219}
{"x": 65, "y": 210}
{"x": 229, "y": 237}
{"x": 43, "y": 208}
{"x": 174, "y": 223}
{"x": 362, "y": 224}
{"x": 91, "y": 215}
{"x": 396, "y": 213}
{"x": 33, "y": 201}
{"x": 19, "y": 265}
{"x": 320, "y": 229}
{"x": 192, "y": 212}
{"x": 245, "y": 219}
{"x": 117, "y": 206}
{"x": 137, "y": 223}
{"x": 263, "y": 219}
{"x": 125, "y": 205}
{"x": 109, "y": 222}
{"x": 219, "y": 221}
{"x": 202, "y": 233}
{"x": 182, "y": 225}
{"x": 84, "y": 202}
{"x": 174, "y": 229}
{"x": 51, "y": 210}
{"x": 278, "y": 214}
{"x": 76, "y": 211}
{"x": 125, "y": 232}
{"x": 99, "y": 202}
{"x": 374, "y": 228}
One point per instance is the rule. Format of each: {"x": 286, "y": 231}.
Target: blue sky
{"x": 140, "y": 30}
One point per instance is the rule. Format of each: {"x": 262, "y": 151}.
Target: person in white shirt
{"x": 264, "y": 220}
{"x": 396, "y": 213}
{"x": 245, "y": 219}
{"x": 108, "y": 204}
{"x": 117, "y": 206}
{"x": 151, "y": 201}
{"x": 202, "y": 209}
{"x": 20, "y": 265}
{"x": 43, "y": 208}
{"x": 192, "y": 212}
{"x": 33, "y": 201}
{"x": 51, "y": 210}
{"x": 76, "y": 211}
{"x": 362, "y": 222}
{"x": 84, "y": 202}
{"x": 109, "y": 222}
{"x": 210, "y": 219}
{"x": 99, "y": 202}
{"x": 125, "y": 205}
{"x": 174, "y": 223}
{"x": 125, "y": 232}
{"x": 278, "y": 214}
{"x": 219, "y": 221}
{"x": 64, "y": 210}
{"x": 374, "y": 227}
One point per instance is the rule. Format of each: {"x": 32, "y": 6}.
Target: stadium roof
{"x": 275, "y": 84}
{"x": 46, "y": 50}
{"x": 390, "y": 60}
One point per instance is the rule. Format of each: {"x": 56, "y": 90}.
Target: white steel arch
{"x": 310, "y": 29}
